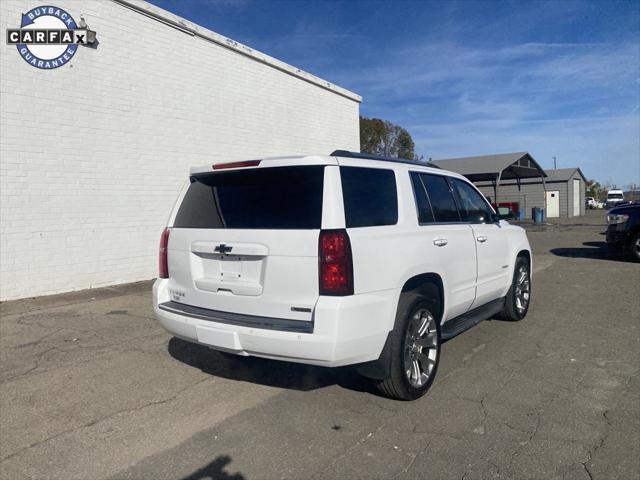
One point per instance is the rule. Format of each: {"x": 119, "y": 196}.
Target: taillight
{"x": 335, "y": 263}
{"x": 163, "y": 263}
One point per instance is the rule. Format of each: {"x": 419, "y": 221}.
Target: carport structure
{"x": 495, "y": 168}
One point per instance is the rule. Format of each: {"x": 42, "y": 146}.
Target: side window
{"x": 370, "y": 197}
{"x": 425, "y": 214}
{"x": 473, "y": 207}
{"x": 441, "y": 198}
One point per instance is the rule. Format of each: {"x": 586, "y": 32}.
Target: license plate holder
{"x": 231, "y": 267}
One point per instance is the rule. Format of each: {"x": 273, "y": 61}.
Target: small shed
{"x": 492, "y": 172}
{"x": 562, "y": 194}
{"x": 517, "y": 180}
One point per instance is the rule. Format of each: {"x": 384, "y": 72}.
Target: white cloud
{"x": 464, "y": 94}
{"x": 572, "y": 101}
{"x": 607, "y": 149}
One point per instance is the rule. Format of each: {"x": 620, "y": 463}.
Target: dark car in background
{"x": 623, "y": 231}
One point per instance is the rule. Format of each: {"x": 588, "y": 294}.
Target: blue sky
{"x": 467, "y": 78}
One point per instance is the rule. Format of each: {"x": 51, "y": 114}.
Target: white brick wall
{"x": 92, "y": 154}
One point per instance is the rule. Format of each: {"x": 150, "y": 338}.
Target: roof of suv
{"x": 297, "y": 160}
{"x": 366, "y": 156}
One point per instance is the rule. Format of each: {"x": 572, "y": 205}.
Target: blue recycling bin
{"x": 537, "y": 214}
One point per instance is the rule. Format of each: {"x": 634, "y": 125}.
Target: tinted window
{"x": 370, "y": 197}
{"x": 275, "y": 198}
{"x": 425, "y": 215}
{"x": 473, "y": 208}
{"x": 441, "y": 198}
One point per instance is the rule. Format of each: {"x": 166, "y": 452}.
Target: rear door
{"x": 491, "y": 242}
{"x": 246, "y": 241}
{"x": 448, "y": 241}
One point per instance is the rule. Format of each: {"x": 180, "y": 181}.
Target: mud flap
{"x": 378, "y": 369}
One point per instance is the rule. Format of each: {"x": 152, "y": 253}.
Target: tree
{"x": 381, "y": 137}
{"x": 405, "y": 144}
{"x": 594, "y": 189}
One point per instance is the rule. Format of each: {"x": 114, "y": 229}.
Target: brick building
{"x": 93, "y": 153}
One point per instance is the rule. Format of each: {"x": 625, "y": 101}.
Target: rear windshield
{"x": 263, "y": 198}
{"x": 614, "y": 196}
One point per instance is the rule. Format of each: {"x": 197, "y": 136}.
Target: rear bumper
{"x": 253, "y": 321}
{"x": 345, "y": 330}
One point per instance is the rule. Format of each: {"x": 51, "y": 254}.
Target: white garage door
{"x": 576, "y": 197}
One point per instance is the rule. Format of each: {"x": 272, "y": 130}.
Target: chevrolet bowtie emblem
{"x": 222, "y": 248}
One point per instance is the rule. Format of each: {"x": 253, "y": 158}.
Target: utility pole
{"x": 554, "y": 163}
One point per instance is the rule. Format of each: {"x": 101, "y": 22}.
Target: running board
{"x": 457, "y": 325}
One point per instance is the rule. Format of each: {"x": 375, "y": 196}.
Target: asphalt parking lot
{"x": 93, "y": 388}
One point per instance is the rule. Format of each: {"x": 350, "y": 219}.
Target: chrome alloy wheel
{"x": 637, "y": 245}
{"x": 522, "y": 289}
{"x": 420, "y": 348}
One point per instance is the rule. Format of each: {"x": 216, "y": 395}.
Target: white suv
{"x": 338, "y": 260}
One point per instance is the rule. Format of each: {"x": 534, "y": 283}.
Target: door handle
{"x": 481, "y": 238}
{"x": 440, "y": 242}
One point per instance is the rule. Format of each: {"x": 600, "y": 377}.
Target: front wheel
{"x": 516, "y": 303}
{"x": 415, "y": 349}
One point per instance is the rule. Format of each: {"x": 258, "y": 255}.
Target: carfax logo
{"x": 48, "y": 37}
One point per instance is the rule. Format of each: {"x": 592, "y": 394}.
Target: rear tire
{"x": 414, "y": 348}
{"x": 518, "y": 299}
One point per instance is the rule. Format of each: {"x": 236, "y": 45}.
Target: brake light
{"x": 335, "y": 263}
{"x": 163, "y": 262}
{"x": 247, "y": 163}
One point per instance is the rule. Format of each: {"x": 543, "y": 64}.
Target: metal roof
{"x": 488, "y": 167}
{"x": 563, "y": 174}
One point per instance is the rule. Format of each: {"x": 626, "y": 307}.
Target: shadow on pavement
{"x": 215, "y": 471}
{"x": 595, "y": 250}
{"x": 273, "y": 373}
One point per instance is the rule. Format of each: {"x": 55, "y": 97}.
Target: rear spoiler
{"x": 284, "y": 161}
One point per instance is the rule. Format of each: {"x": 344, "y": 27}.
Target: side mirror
{"x": 504, "y": 213}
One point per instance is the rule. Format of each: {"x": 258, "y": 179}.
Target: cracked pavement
{"x": 93, "y": 388}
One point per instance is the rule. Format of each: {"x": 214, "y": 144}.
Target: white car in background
{"x": 344, "y": 259}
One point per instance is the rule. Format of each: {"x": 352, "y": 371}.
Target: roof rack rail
{"x": 367, "y": 156}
